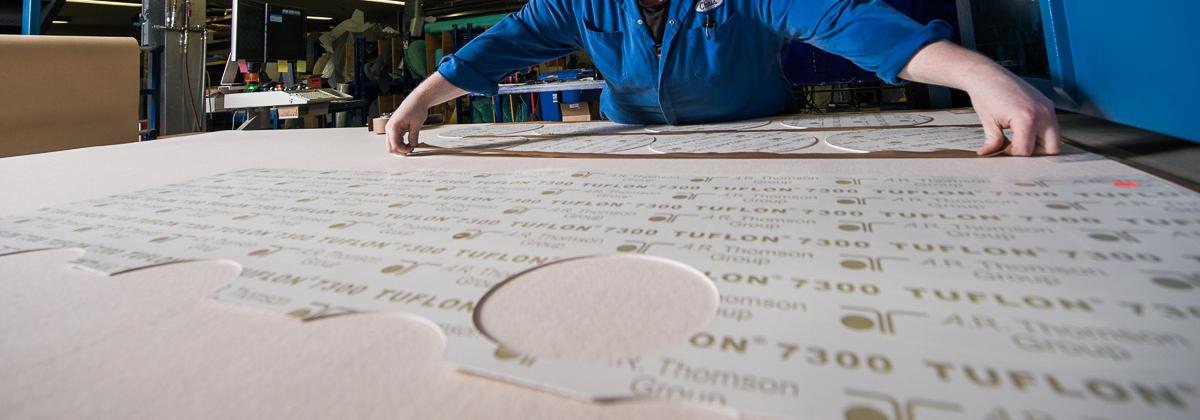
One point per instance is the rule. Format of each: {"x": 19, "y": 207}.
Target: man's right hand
{"x": 404, "y": 127}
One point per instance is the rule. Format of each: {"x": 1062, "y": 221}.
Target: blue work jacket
{"x": 717, "y": 62}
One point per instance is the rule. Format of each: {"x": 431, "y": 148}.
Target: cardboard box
{"x": 288, "y": 112}
{"x": 579, "y": 112}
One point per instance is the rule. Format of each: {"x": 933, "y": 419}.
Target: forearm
{"x": 541, "y": 31}
{"x": 946, "y": 64}
{"x": 434, "y": 90}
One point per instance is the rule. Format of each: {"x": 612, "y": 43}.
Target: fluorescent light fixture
{"x": 386, "y": 1}
{"x": 107, "y": 3}
{"x": 319, "y": 18}
{"x": 64, "y": 22}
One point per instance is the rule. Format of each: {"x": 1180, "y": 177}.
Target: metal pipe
{"x": 172, "y": 13}
{"x": 204, "y": 75}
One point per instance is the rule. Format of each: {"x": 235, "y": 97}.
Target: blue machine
{"x": 1132, "y": 64}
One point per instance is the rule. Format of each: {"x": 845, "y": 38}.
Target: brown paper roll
{"x": 66, "y": 92}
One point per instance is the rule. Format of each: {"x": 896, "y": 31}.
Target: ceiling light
{"x": 107, "y": 3}
{"x": 386, "y": 1}
{"x": 319, "y": 18}
{"x": 64, "y": 22}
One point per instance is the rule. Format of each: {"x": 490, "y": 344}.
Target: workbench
{"x": 149, "y": 344}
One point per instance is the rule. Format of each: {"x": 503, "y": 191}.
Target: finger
{"x": 391, "y": 145}
{"x": 414, "y": 137}
{"x": 1024, "y": 137}
{"x": 394, "y": 134}
{"x": 994, "y": 140}
{"x": 1051, "y": 139}
{"x": 400, "y": 147}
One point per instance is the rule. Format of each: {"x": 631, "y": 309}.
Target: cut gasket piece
{"x": 585, "y": 144}
{"x": 744, "y": 142}
{"x": 586, "y": 128}
{"x": 475, "y": 142}
{"x": 727, "y": 126}
{"x": 930, "y": 139}
{"x": 857, "y": 120}
{"x": 481, "y": 130}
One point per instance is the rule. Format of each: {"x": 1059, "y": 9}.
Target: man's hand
{"x": 1005, "y": 101}
{"x": 1001, "y": 99}
{"x": 404, "y": 127}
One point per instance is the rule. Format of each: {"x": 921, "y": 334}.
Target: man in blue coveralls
{"x": 699, "y": 61}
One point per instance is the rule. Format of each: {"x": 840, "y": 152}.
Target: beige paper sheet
{"x": 147, "y": 344}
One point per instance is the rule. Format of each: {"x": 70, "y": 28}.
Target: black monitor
{"x": 285, "y": 34}
{"x": 248, "y": 41}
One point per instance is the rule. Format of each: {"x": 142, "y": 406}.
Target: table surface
{"x": 148, "y": 344}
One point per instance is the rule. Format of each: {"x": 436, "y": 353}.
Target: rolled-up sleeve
{"x": 542, "y": 30}
{"x": 872, "y": 34}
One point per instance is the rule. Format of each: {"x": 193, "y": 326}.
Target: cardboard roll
{"x": 379, "y": 125}
{"x": 487, "y": 130}
{"x": 585, "y": 144}
{"x": 929, "y": 139}
{"x": 759, "y": 141}
{"x": 726, "y": 126}
{"x": 857, "y": 120}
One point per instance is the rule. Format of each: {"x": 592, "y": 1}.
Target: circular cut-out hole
{"x": 598, "y": 308}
